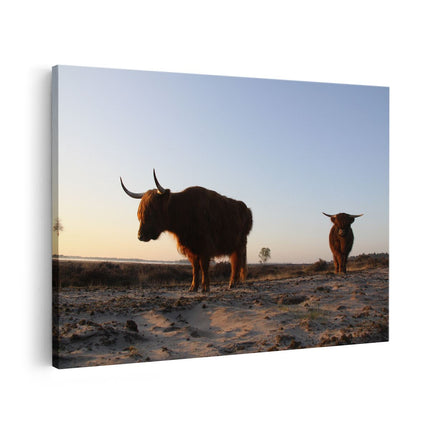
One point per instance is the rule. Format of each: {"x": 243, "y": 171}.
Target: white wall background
{"x": 366, "y": 386}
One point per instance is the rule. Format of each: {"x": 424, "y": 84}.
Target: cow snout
{"x": 147, "y": 234}
{"x": 143, "y": 238}
{"x": 144, "y": 235}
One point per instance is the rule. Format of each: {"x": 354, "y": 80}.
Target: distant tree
{"x": 264, "y": 255}
{"x": 57, "y": 227}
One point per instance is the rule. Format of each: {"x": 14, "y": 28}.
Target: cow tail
{"x": 248, "y": 225}
{"x": 247, "y": 229}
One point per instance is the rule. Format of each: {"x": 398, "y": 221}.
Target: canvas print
{"x": 200, "y": 216}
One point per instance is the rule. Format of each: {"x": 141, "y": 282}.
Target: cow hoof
{"x": 193, "y": 289}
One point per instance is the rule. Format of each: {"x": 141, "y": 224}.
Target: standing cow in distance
{"x": 341, "y": 239}
{"x": 204, "y": 223}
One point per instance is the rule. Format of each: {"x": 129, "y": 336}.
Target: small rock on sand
{"x": 286, "y": 299}
{"x": 131, "y": 325}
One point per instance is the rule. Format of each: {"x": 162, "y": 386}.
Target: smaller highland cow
{"x": 341, "y": 239}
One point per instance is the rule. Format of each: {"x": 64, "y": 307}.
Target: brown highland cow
{"x": 341, "y": 239}
{"x": 204, "y": 223}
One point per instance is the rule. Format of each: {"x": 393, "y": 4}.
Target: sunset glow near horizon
{"x": 289, "y": 150}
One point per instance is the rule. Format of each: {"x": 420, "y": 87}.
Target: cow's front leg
{"x": 343, "y": 264}
{"x": 196, "y": 273}
{"x": 204, "y": 266}
{"x": 336, "y": 263}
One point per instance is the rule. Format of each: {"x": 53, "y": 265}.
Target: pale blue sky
{"x": 289, "y": 150}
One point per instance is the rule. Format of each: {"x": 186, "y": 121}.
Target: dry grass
{"x": 94, "y": 274}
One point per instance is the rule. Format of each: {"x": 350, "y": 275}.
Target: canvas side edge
{"x": 54, "y": 214}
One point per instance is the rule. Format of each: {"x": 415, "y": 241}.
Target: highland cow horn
{"x": 327, "y": 215}
{"x": 161, "y": 190}
{"x": 356, "y": 216}
{"x": 134, "y": 195}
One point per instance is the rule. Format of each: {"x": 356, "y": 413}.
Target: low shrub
{"x": 319, "y": 266}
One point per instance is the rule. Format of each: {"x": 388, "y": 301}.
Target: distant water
{"x": 117, "y": 260}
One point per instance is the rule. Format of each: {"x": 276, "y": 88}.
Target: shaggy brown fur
{"x": 341, "y": 239}
{"x": 205, "y": 225}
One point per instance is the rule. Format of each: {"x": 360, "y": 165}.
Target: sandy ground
{"x": 99, "y": 326}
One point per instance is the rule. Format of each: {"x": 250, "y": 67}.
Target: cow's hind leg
{"x": 237, "y": 267}
{"x": 196, "y": 273}
{"x": 243, "y": 266}
{"x": 204, "y": 265}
